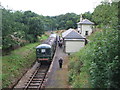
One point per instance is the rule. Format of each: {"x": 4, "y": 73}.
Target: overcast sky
{"x": 52, "y": 7}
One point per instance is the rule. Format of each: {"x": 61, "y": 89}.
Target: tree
{"x": 87, "y": 15}
{"x": 69, "y": 24}
{"x": 106, "y": 14}
{"x": 35, "y": 28}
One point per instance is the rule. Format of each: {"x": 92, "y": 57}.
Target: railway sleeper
{"x": 41, "y": 72}
{"x": 38, "y": 76}
{"x": 37, "y": 79}
{"x": 35, "y": 84}
{"x": 32, "y": 87}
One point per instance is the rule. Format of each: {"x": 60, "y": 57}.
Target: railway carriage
{"x": 46, "y": 50}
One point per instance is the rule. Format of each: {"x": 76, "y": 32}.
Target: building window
{"x": 86, "y": 33}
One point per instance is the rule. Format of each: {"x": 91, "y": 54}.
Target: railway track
{"x": 36, "y": 80}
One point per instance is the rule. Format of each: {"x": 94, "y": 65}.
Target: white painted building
{"x": 73, "y": 41}
{"x": 85, "y": 27}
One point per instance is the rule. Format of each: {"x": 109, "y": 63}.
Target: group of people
{"x": 60, "y": 42}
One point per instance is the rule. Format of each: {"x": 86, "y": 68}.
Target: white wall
{"x": 86, "y": 28}
{"x": 73, "y": 46}
{"x": 79, "y": 28}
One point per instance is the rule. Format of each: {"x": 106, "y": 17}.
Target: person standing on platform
{"x": 60, "y": 62}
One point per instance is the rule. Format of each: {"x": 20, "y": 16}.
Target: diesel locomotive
{"x": 46, "y": 50}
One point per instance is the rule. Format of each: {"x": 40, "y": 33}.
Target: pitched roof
{"x": 72, "y": 34}
{"x": 85, "y": 21}
{"x": 66, "y": 32}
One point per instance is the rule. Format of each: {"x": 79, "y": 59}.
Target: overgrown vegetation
{"x": 19, "y": 28}
{"x": 43, "y": 37}
{"x": 14, "y": 65}
{"x": 97, "y": 64}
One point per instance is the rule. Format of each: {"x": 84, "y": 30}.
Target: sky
{"x": 52, "y": 7}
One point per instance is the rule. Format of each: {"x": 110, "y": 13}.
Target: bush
{"x": 100, "y": 61}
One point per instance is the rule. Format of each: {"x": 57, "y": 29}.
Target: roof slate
{"x": 72, "y": 34}
{"x": 85, "y": 21}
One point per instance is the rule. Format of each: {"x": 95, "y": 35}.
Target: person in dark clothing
{"x": 60, "y": 44}
{"x": 60, "y": 62}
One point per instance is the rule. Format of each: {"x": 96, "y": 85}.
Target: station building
{"x": 72, "y": 41}
{"x": 85, "y": 27}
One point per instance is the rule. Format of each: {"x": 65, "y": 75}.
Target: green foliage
{"x": 87, "y": 15}
{"x": 100, "y": 55}
{"x": 103, "y": 64}
{"x": 106, "y": 14}
{"x": 19, "y": 28}
{"x": 35, "y": 27}
{"x": 100, "y": 61}
{"x": 78, "y": 76}
{"x": 43, "y": 37}
{"x": 66, "y": 21}
{"x": 13, "y": 65}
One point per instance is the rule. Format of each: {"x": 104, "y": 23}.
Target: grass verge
{"x": 43, "y": 37}
{"x": 78, "y": 73}
{"x": 15, "y": 64}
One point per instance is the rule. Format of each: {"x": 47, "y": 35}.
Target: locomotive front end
{"x": 43, "y": 53}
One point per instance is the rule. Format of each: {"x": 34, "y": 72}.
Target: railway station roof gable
{"x": 86, "y": 21}
{"x": 66, "y": 32}
{"x": 72, "y": 34}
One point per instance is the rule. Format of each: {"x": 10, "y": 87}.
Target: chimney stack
{"x": 81, "y": 18}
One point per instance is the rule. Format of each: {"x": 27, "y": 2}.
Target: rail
{"x": 37, "y": 78}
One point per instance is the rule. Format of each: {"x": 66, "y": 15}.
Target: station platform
{"x": 58, "y": 77}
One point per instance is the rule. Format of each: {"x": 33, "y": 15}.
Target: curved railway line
{"x": 36, "y": 81}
